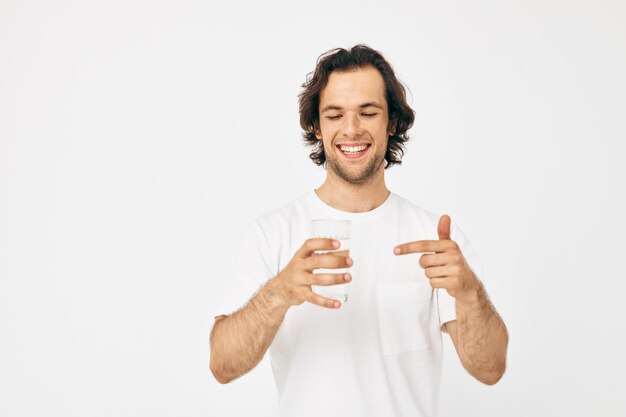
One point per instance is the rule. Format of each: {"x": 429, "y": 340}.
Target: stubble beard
{"x": 356, "y": 178}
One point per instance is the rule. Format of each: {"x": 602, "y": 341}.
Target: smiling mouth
{"x": 354, "y": 151}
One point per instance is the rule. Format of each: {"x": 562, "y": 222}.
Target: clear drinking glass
{"x": 339, "y": 230}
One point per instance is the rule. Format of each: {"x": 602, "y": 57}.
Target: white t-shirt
{"x": 380, "y": 353}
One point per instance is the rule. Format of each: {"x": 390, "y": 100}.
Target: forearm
{"x": 239, "y": 341}
{"x": 482, "y": 337}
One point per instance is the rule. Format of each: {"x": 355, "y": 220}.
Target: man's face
{"x": 354, "y": 124}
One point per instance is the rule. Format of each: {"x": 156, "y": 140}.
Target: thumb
{"x": 443, "y": 229}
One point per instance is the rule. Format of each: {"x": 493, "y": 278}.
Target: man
{"x": 380, "y": 353}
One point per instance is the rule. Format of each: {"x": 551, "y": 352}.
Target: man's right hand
{"x": 239, "y": 341}
{"x": 295, "y": 280}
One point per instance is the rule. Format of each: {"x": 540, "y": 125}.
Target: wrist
{"x": 472, "y": 297}
{"x": 275, "y": 296}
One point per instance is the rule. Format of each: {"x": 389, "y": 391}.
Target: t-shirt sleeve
{"x": 249, "y": 270}
{"x": 445, "y": 302}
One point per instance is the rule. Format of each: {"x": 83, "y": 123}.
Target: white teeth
{"x": 352, "y": 149}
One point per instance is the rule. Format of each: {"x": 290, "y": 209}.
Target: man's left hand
{"x": 445, "y": 265}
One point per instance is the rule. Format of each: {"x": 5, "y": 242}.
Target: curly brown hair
{"x": 339, "y": 59}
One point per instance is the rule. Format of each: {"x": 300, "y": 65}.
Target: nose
{"x": 351, "y": 126}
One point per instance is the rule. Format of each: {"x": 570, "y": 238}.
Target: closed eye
{"x": 338, "y": 116}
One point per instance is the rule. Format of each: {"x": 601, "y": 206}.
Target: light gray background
{"x": 138, "y": 138}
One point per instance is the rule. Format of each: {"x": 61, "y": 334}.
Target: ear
{"x": 317, "y": 131}
{"x": 391, "y": 128}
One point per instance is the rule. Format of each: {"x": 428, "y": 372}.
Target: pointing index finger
{"x": 421, "y": 246}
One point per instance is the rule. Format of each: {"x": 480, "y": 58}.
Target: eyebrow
{"x": 362, "y": 106}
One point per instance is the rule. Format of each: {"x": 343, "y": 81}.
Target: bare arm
{"x": 239, "y": 341}
{"x": 478, "y": 334}
{"x": 480, "y": 337}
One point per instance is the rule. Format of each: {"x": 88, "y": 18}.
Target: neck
{"x": 353, "y": 198}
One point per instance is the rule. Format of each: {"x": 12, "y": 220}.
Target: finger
{"x": 443, "y": 228}
{"x": 318, "y": 243}
{"x": 437, "y": 272}
{"x": 438, "y": 282}
{"x": 422, "y": 246}
{"x": 322, "y": 301}
{"x": 329, "y": 279}
{"x": 435, "y": 259}
{"x": 328, "y": 261}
